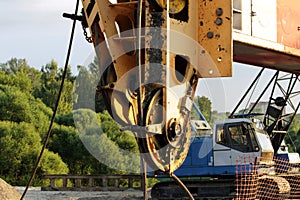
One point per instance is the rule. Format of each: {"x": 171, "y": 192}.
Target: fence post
{"x": 52, "y": 182}
{"x": 91, "y": 182}
{"x": 78, "y": 182}
{"x": 130, "y": 182}
{"x": 65, "y": 182}
{"x": 104, "y": 182}
{"x": 117, "y": 182}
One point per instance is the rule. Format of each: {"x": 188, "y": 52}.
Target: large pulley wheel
{"x": 159, "y": 152}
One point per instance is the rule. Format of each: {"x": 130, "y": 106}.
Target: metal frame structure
{"x": 283, "y": 104}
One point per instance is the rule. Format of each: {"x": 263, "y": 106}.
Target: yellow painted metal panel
{"x": 215, "y": 33}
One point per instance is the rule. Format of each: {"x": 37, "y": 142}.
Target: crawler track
{"x": 256, "y": 188}
{"x": 201, "y": 190}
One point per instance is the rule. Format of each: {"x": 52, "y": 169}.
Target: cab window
{"x": 222, "y": 135}
{"x": 238, "y": 136}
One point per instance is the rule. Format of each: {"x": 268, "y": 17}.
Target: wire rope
{"x": 253, "y": 90}
{"x": 55, "y": 108}
{"x": 181, "y": 184}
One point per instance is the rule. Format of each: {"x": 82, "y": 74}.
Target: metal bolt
{"x": 111, "y": 85}
{"x": 219, "y": 11}
{"x": 220, "y": 48}
{"x": 219, "y": 21}
{"x": 177, "y": 129}
{"x": 210, "y": 34}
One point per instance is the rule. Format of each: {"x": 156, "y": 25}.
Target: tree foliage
{"x": 85, "y": 89}
{"x": 20, "y": 145}
{"x": 18, "y": 106}
{"x": 24, "y": 120}
{"x": 66, "y": 142}
{"x": 50, "y": 83}
{"x": 86, "y": 94}
{"x": 125, "y": 140}
{"x": 204, "y": 105}
{"x": 17, "y": 73}
{"x": 293, "y": 138}
{"x": 104, "y": 140}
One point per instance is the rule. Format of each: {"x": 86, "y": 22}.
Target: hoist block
{"x": 151, "y": 54}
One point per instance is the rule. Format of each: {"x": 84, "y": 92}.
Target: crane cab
{"x": 218, "y": 152}
{"x": 235, "y": 139}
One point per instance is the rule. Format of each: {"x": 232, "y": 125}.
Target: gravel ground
{"x": 36, "y": 194}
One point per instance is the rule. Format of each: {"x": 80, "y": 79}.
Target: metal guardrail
{"x": 65, "y": 182}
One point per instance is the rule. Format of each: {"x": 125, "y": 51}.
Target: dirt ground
{"x": 36, "y": 194}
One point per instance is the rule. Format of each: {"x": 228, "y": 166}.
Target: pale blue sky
{"x": 226, "y": 92}
{"x": 36, "y": 30}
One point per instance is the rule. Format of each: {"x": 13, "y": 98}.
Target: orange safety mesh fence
{"x": 278, "y": 179}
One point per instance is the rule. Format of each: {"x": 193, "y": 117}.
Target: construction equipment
{"x": 243, "y": 151}
{"x": 152, "y": 52}
{"x": 147, "y": 80}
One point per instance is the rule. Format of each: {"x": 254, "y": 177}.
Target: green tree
{"x": 85, "y": 89}
{"x": 204, "y": 105}
{"x": 66, "y": 142}
{"x": 215, "y": 116}
{"x": 18, "y": 106}
{"x": 20, "y": 146}
{"x": 16, "y": 72}
{"x": 51, "y": 163}
{"x": 104, "y": 140}
{"x": 24, "y": 120}
{"x": 14, "y": 105}
{"x": 65, "y": 119}
{"x": 293, "y": 137}
{"x": 124, "y": 139}
{"x": 86, "y": 94}
{"x": 50, "y": 84}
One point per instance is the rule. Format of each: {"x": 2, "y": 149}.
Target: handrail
{"x": 90, "y": 183}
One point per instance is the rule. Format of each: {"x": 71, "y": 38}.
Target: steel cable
{"x": 56, "y": 105}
